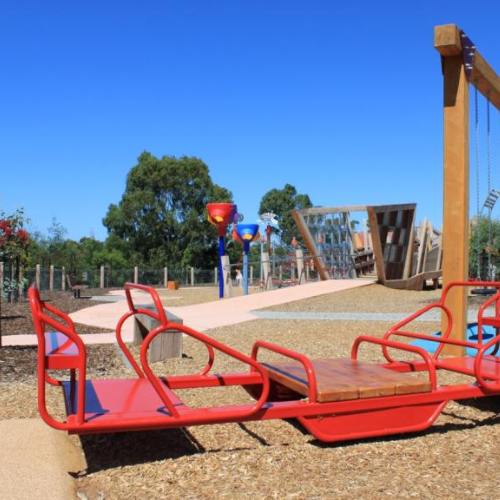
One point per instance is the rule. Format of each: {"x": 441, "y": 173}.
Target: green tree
{"x": 281, "y": 202}
{"x": 484, "y": 240}
{"x": 161, "y": 218}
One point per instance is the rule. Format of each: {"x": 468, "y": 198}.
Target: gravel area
{"x": 366, "y": 299}
{"x": 16, "y": 317}
{"x": 455, "y": 459}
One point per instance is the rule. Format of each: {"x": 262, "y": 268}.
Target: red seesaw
{"x": 334, "y": 399}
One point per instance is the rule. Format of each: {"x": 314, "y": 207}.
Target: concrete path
{"x": 36, "y": 461}
{"x": 239, "y": 309}
{"x": 355, "y": 316}
{"x": 200, "y": 316}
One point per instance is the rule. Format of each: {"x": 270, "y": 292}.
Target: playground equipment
{"x": 334, "y": 399}
{"x": 246, "y": 234}
{"x": 387, "y": 244}
{"x": 462, "y": 65}
{"x": 270, "y": 221}
{"x": 221, "y": 215}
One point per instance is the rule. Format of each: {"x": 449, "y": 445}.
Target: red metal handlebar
{"x": 478, "y": 368}
{"x": 161, "y": 316}
{"x": 213, "y": 344}
{"x": 403, "y": 347}
{"x": 82, "y": 364}
{"x": 311, "y": 375}
{"x": 395, "y": 330}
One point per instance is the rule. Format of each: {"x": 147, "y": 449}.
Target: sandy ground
{"x": 456, "y": 458}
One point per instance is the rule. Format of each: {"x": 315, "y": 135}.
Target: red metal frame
{"x": 151, "y": 402}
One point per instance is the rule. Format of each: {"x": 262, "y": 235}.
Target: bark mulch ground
{"x": 16, "y": 317}
{"x": 19, "y": 363}
{"x": 456, "y": 459}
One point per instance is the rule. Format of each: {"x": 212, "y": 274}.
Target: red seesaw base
{"x": 334, "y": 399}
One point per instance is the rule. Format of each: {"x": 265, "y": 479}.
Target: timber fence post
{"x": 37, "y": 276}
{"x": 51, "y": 277}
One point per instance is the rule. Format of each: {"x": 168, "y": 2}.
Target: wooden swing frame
{"x": 461, "y": 66}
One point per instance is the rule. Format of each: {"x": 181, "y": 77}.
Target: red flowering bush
{"x": 14, "y": 243}
{"x": 14, "y": 240}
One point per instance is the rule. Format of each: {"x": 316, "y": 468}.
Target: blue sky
{"x": 341, "y": 99}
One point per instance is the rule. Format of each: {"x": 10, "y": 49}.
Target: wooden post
{"x": 456, "y": 179}
{"x": 102, "y": 277}
{"x": 136, "y": 274}
{"x": 51, "y": 278}
{"x": 63, "y": 278}
{"x": 366, "y": 238}
{"x": 226, "y": 273}
{"x": 37, "y": 276}
{"x": 299, "y": 255}
{"x": 165, "y": 277}
{"x": 268, "y": 282}
{"x": 192, "y": 276}
{"x": 251, "y": 276}
{"x": 421, "y": 249}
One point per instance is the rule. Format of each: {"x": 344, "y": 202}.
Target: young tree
{"x": 162, "y": 214}
{"x": 484, "y": 242}
{"x": 281, "y": 202}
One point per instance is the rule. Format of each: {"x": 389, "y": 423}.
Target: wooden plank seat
{"x": 345, "y": 379}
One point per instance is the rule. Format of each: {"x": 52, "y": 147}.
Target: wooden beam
{"x": 409, "y": 251}
{"x": 486, "y": 80}
{"x": 309, "y": 242}
{"x": 331, "y": 210}
{"x": 447, "y": 42}
{"x": 377, "y": 245}
{"x": 456, "y": 193}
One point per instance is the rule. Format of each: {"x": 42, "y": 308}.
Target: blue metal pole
{"x": 221, "y": 275}
{"x": 246, "y": 248}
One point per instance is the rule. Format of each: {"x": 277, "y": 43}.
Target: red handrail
{"x": 160, "y": 316}
{"x": 480, "y": 318}
{"x": 478, "y": 368}
{"x": 214, "y": 344}
{"x": 403, "y": 347}
{"x": 443, "y": 339}
{"x": 395, "y": 330}
{"x": 311, "y": 375}
{"x": 41, "y": 319}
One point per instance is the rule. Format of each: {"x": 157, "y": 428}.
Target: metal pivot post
{"x": 246, "y": 248}
{"x": 221, "y": 274}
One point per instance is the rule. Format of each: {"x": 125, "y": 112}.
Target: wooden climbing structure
{"x": 402, "y": 260}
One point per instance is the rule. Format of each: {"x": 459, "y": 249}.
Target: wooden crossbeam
{"x": 448, "y": 43}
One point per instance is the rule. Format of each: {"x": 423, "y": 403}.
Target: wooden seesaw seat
{"x": 334, "y": 399}
{"x": 345, "y": 379}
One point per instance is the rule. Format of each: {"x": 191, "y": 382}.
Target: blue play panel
{"x": 488, "y": 333}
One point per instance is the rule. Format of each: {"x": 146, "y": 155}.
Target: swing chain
{"x": 476, "y": 122}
